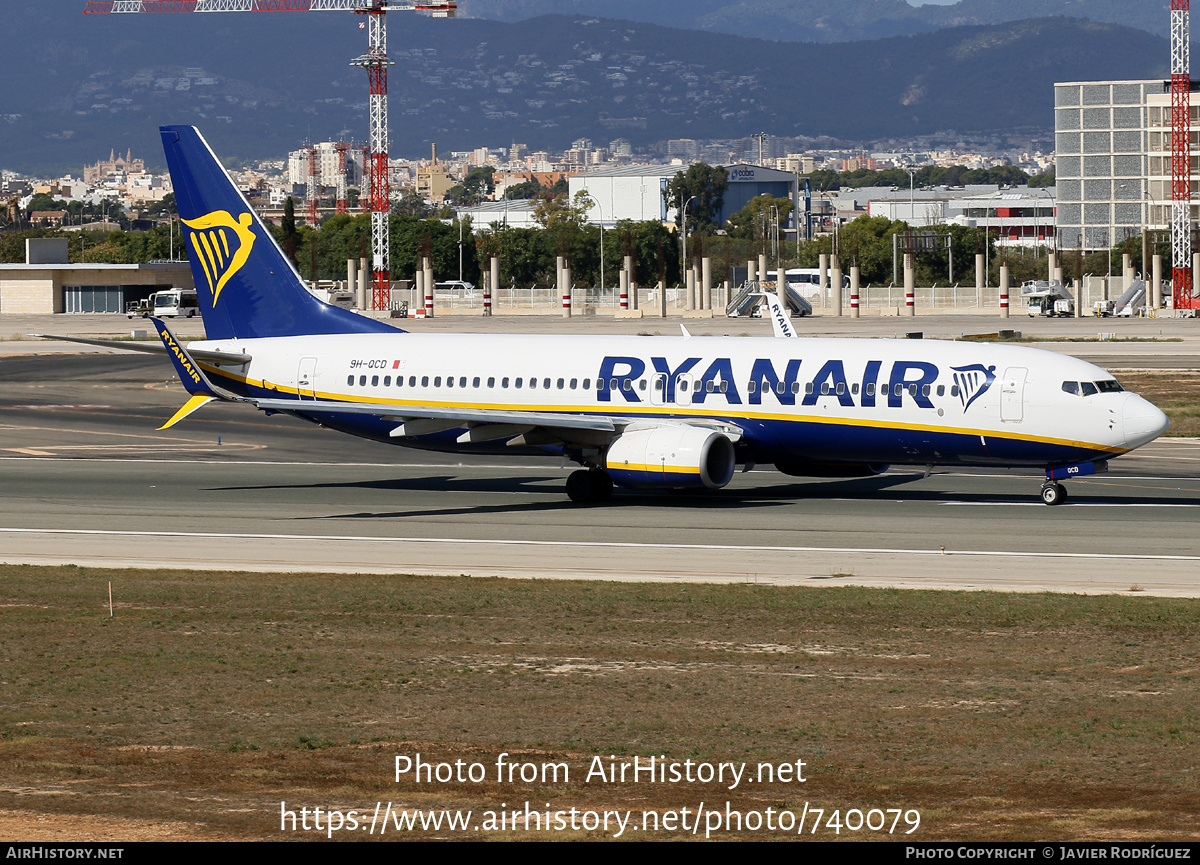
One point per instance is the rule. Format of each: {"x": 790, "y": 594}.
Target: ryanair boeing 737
{"x": 638, "y": 412}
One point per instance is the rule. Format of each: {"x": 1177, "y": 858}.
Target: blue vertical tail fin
{"x": 247, "y": 286}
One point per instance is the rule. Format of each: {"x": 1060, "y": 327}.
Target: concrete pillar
{"x": 690, "y": 288}
{"x": 854, "y": 280}
{"x": 835, "y": 284}
{"x": 1052, "y": 267}
{"x": 910, "y": 285}
{"x": 1156, "y": 283}
{"x": 706, "y": 281}
{"x": 631, "y": 283}
{"x": 623, "y": 280}
{"x": 493, "y": 284}
{"x": 1078, "y": 298}
{"x": 823, "y": 277}
{"x": 1126, "y": 271}
{"x": 566, "y": 288}
{"x": 762, "y": 267}
{"x": 751, "y": 270}
{"x": 1058, "y": 275}
{"x": 352, "y": 278}
{"x": 979, "y": 272}
{"x": 427, "y": 266}
{"x": 1004, "y": 291}
{"x": 364, "y": 284}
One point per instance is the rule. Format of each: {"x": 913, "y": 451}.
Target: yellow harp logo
{"x": 222, "y": 246}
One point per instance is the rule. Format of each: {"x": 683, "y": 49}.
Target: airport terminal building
{"x": 1113, "y": 151}
{"x": 48, "y": 283}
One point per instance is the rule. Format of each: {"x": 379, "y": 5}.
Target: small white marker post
{"x": 110, "y": 608}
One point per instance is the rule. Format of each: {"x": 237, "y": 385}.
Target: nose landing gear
{"x": 1053, "y": 493}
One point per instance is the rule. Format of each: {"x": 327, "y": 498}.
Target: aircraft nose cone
{"x": 1143, "y": 421}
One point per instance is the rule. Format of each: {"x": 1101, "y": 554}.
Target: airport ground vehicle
{"x": 638, "y": 412}
{"x": 172, "y": 303}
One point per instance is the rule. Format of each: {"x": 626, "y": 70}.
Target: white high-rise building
{"x": 1113, "y": 160}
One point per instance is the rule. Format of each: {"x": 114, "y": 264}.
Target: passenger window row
{"x": 628, "y": 385}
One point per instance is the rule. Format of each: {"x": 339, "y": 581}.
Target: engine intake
{"x": 671, "y": 456}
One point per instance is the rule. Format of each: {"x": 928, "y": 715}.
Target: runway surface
{"x": 86, "y": 479}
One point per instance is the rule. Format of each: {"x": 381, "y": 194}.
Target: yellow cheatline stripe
{"x": 188, "y": 407}
{"x": 659, "y": 469}
{"x": 203, "y": 263}
{"x": 734, "y": 414}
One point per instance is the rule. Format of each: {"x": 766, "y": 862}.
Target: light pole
{"x": 912, "y": 210}
{"x": 683, "y": 237}
{"x": 596, "y": 204}
{"x": 460, "y": 228}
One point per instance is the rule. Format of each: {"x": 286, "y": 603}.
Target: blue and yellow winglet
{"x": 194, "y": 380}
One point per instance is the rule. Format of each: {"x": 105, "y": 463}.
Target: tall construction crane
{"x": 375, "y": 61}
{"x": 1181, "y": 162}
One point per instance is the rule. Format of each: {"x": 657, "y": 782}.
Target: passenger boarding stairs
{"x": 748, "y": 299}
{"x": 1133, "y": 300}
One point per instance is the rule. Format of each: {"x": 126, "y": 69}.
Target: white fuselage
{"x": 831, "y": 400}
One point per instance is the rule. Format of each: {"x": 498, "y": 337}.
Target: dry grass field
{"x": 1176, "y": 392}
{"x": 210, "y": 698}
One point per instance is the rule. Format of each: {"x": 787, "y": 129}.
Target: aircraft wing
{"x": 219, "y": 358}
{"x": 490, "y": 424}
{"x": 402, "y": 413}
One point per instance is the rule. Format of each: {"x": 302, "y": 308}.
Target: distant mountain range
{"x": 259, "y": 85}
{"x": 831, "y": 20}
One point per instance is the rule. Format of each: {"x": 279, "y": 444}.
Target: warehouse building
{"x": 635, "y": 192}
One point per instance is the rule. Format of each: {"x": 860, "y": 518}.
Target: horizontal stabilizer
{"x": 217, "y": 358}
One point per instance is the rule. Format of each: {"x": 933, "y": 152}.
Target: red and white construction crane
{"x": 1181, "y": 162}
{"x": 375, "y": 61}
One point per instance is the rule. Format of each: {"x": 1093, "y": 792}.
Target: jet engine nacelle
{"x": 814, "y": 469}
{"x": 671, "y": 456}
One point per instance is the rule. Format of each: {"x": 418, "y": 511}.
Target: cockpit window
{"x": 1089, "y": 388}
{"x": 1109, "y": 386}
{"x": 1071, "y": 387}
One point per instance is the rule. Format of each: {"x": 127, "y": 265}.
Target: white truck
{"x": 171, "y": 303}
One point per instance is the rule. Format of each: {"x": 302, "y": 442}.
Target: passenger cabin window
{"x": 574, "y": 383}
{"x": 870, "y": 388}
{"x": 475, "y": 382}
{"x": 750, "y": 388}
{"x": 519, "y": 382}
{"x": 462, "y": 382}
{"x": 587, "y": 384}
{"x": 533, "y": 382}
{"x": 437, "y": 381}
{"x": 450, "y": 381}
{"x": 504, "y": 382}
{"x": 350, "y": 380}
{"x": 941, "y": 390}
{"x": 362, "y": 380}
{"x": 387, "y": 381}
{"x": 491, "y": 381}
{"x": 546, "y": 383}
{"x": 561, "y": 384}
{"x": 374, "y": 381}
{"x": 424, "y": 381}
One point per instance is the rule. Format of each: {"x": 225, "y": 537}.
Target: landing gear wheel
{"x": 602, "y": 485}
{"x": 587, "y": 485}
{"x": 1054, "y": 494}
{"x": 579, "y": 486}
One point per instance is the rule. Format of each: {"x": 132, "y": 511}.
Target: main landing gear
{"x": 589, "y": 485}
{"x": 1053, "y": 493}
